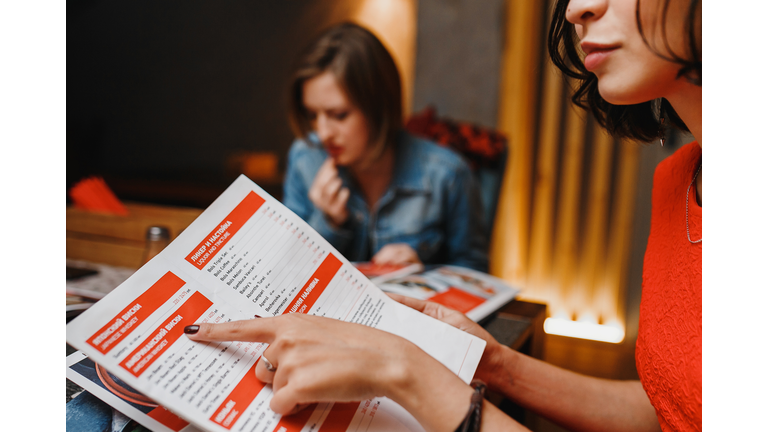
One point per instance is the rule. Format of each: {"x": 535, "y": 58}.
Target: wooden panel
{"x": 567, "y": 223}
{"x": 596, "y": 223}
{"x": 611, "y": 298}
{"x": 517, "y": 117}
{"x": 120, "y": 240}
{"x": 105, "y": 250}
{"x": 134, "y": 226}
{"x": 545, "y": 187}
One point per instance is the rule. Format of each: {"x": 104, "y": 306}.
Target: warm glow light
{"x": 612, "y": 333}
{"x": 394, "y": 22}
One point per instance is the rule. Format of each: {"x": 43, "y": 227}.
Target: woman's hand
{"x": 491, "y": 367}
{"x": 396, "y": 254}
{"x": 328, "y": 194}
{"x": 318, "y": 359}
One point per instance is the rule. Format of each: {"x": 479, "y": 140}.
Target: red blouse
{"x": 668, "y": 353}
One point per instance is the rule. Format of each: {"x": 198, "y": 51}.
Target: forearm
{"x": 576, "y": 401}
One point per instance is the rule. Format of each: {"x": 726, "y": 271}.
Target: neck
{"x": 687, "y": 104}
{"x": 375, "y": 168}
{"x": 373, "y": 177}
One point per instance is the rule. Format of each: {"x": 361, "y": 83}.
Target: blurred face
{"x": 627, "y": 71}
{"x": 339, "y": 124}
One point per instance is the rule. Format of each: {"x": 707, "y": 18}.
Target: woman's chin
{"x": 628, "y": 91}
{"x": 340, "y": 161}
{"x": 614, "y": 97}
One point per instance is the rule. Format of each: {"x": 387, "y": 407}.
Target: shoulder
{"x": 305, "y": 156}
{"x": 431, "y": 157}
{"x": 675, "y": 168}
{"x": 302, "y": 148}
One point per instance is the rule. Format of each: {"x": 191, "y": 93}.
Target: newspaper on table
{"x": 248, "y": 255}
{"x": 474, "y": 293}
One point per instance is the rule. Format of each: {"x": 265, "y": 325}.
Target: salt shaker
{"x": 158, "y": 238}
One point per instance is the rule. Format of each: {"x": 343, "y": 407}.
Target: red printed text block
{"x": 244, "y": 393}
{"x": 166, "y": 334}
{"x": 137, "y": 311}
{"x": 224, "y": 231}
{"x": 315, "y": 285}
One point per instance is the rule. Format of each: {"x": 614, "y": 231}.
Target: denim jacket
{"x": 432, "y": 203}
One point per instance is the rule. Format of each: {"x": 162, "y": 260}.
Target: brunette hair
{"x": 638, "y": 121}
{"x": 366, "y": 72}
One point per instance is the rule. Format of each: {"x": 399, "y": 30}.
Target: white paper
{"x": 247, "y": 255}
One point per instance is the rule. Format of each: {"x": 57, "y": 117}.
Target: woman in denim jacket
{"x": 372, "y": 190}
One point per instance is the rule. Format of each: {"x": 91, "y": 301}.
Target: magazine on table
{"x": 474, "y": 293}
{"x": 101, "y": 383}
{"x": 247, "y": 255}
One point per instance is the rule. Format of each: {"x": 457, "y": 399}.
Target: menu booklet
{"x": 474, "y": 293}
{"x": 247, "y": 255}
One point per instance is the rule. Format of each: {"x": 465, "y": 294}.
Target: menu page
{"x": 248, "y": 255}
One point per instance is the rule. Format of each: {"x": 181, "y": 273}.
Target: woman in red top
{"x": 642, "y": 60}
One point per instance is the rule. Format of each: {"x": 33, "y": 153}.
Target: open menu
{"x": 474, "y": 293}
{"x": 247, "y": 255}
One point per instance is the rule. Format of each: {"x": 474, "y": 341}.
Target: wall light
{"x": 584, "y": 329}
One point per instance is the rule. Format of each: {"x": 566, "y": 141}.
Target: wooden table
{"x": 121, "y": 240}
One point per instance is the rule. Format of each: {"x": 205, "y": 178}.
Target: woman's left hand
{"x": 491, "y": 369}
{"x": 321, "y": 359}
{"x": 396, "y": 254}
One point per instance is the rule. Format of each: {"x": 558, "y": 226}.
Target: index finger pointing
{"x": 253, "y": 330}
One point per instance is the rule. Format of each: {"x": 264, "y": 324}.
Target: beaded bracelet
{"x": 471, "y": 422}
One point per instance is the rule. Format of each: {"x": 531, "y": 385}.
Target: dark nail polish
{"x": 191, "y": 329}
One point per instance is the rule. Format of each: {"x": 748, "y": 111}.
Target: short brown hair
{"x": 365, "y": 71}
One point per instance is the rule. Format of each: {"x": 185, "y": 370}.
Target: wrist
{"x": 505, "y": 374}
{"x": 336, "y": 221}
{"x": 497, "y": 367}
{"x": 433, "y": 394}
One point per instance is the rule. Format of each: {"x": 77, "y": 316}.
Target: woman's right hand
{"x": 319, "y": 359}
{"x": 329, "y": 195}
{"x": 492, "y": 364}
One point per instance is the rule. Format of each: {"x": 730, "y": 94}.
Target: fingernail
{"x": 191, "y": 329}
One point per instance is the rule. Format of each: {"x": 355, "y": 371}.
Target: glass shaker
{"x": 158, "y": 238}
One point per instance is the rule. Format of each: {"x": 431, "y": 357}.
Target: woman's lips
{"x": 333, "y": 150}
{"x": 593, "y": 59}
{"x": 596, "y": 54}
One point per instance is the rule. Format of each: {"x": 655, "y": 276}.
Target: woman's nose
{"x": 324, "y": 131}
{"x": 581, "y": 11}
